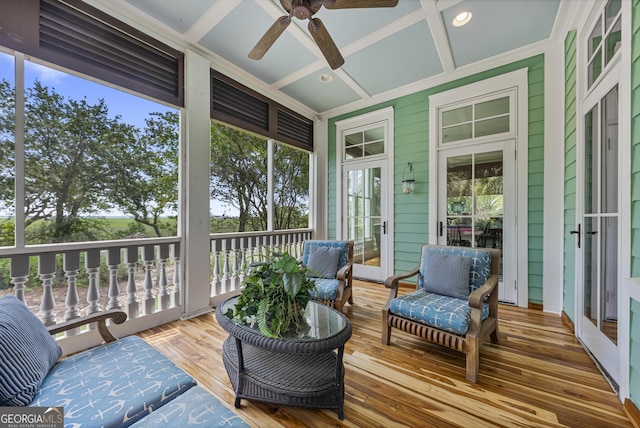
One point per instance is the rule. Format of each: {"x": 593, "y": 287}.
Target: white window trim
{"x": 515, "y": 80}
{"x": 368, "y": 120}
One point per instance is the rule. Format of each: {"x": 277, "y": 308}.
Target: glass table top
{"x": 322, "y": 321}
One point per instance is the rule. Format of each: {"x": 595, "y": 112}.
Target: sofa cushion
{"x": 112, "y": 385}
{"x": 326, "y": 289}
{"x": 441, "y": 312}
{"x": 446, "y": 274}
{"x": 343, "y": 245}
{"x": 196, "y": 407}
{"x": 323, "y": 261}
{"x": 27, "y": 354}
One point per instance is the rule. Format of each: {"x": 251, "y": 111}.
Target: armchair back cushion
{"x": 27, "y": 353}
{"x": 309, "y": 244}
{"x": 324, "y": 260}
{"x": 479, "y": 268}
{"x": 447, "y": 274}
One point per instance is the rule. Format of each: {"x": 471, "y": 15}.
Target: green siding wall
{"x": 569, "y": 174}
{"x": 634, "y": 345}
{"x": 411, "y": 117}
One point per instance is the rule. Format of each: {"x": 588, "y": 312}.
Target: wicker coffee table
{"x": 302, "y": 370}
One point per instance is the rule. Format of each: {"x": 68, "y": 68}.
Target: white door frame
{"x": 517, "y": 81}
{"x": 383, "y": 116}
{"x": 508, "y": 287}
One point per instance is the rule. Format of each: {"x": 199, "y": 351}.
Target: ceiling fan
{"x": 305, "y": 9}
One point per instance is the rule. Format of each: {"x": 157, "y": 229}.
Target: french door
{"x": 476, "y": 203}
{"x": 598, "y": 233}
{"x": 365, "y": 219}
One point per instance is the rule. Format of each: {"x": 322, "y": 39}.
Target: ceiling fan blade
{"x": 269, "y": 37}
{"x": 351, "y": 4}
{"x": 325, "y": 43}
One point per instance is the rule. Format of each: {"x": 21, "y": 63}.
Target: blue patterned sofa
{"x": 332, "y": 262}
{"x": 455, "y": 303}
{"x": 120, "y": 383}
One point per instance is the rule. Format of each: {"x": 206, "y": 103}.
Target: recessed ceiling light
{"x": 326, "y": 78}
{"x": 462, "y": 18}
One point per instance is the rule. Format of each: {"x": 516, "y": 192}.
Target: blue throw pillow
{"x": 323, "y": 261}
{"x": 27, "y": 353}
{"x": 446, "y": 274}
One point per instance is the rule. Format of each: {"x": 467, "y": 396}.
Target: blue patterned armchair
{"x": 331, "y": 262}
{"x": 455, "y": 303}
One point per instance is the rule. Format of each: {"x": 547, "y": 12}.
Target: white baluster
{"x": 176, "y": 295}
{"x": 225, "y": 266}
{"x": 148, "y": 301}
{"x": 131, "y": 304}
{"x": 113, "y": 262}
{"x": 92, "y": 264}
{"x": 19, "y": 274}
{"x": 47, "y": 271}
{"x": 243, "y": 259}
{"x": 234, "y": 266}
{"x": 163, "y": 288}
{"x": 215, "y": 282}
{"x": 71, "y": 262}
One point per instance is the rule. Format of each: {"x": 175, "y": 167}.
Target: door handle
{"x": 384, "y": 227}
{"x": 441, "y": 228}
{"x": 574, "y": 232}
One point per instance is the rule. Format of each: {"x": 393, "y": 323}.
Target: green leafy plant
{"x": 274, "y": 295}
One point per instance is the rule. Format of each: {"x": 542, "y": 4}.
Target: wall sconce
{"x": 408, "y": 179}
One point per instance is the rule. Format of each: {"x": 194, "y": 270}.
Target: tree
{"x": 239, "y": 178}
{"x": 64, "y": 172}
{"x": 144, "y": 171}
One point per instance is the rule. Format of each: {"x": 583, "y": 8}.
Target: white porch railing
{"x": 232, "y": 253}
{"x": 140, "y": 276}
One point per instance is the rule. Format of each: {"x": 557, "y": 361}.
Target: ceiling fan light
{"x": 462, "y": 18}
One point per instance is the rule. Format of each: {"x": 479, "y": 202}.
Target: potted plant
{"x": 274, "y": 295}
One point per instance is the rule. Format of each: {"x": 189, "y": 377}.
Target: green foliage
{"x": 274, "y": 295}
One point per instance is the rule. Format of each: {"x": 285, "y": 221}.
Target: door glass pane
{"x": 489, "y": 199}
{"x": 364, "y": 214}
{"x": 609, "y": 153}
{"x": 611, "y": 10}
{"x": 609, "y": 278}
{"x": 591, "y": 161}
{"x": 590, "y": 270}
{"x": 475, "y": 200}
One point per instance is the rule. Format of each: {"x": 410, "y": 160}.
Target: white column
{"x": 194, "y": 184}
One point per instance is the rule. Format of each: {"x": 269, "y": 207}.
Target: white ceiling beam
{"x": 212, "y": 17}
{"x": 439, "y": 34}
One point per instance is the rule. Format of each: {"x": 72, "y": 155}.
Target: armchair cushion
{"x": 326, "y": 289}
{"x": 447, "y": 274}
{"x": 324, "y": 261}
{"x": 437, "y": 311}
{"x": 27, "y": 352}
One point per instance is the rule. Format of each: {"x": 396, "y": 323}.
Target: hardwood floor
{"x": 537, "y": 376}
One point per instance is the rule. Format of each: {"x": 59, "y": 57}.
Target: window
{"x": 478, "y": 119}
{"x": 99, "y": 163}
{"x": 364, "y": 143}
{"x": 240, "y": 179}
{"x": 7, "y": 146}
{"x": 604, "y": 41}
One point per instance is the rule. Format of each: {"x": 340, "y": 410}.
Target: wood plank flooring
{"x": 537, "y": 376}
